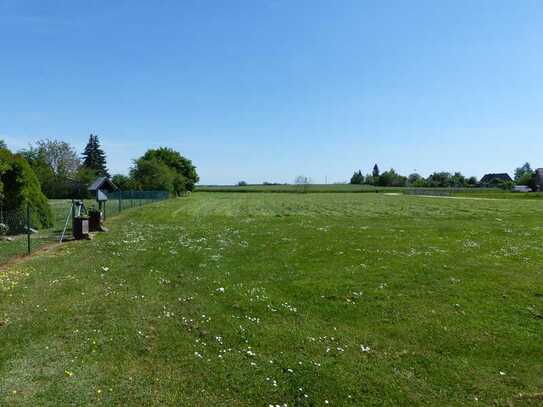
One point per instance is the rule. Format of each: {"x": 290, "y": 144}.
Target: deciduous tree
{"x": 185, "y": 172}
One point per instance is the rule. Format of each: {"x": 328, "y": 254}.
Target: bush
{"x": 19, "y": 188}
{"x": 505, "y": 185}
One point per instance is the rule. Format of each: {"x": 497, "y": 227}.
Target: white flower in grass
{"x": 220, "y": 290}
{"x": 364, "y": 348}
{"x": 105, "y": 268}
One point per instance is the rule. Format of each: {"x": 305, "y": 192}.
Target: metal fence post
{"x": 28, "y": 227}
{"x": 73, "y": 213}
{"x": 120, "y": 200}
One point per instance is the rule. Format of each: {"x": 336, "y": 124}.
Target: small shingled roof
{"x": 102, "y": 183}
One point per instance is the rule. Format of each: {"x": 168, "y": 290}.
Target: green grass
{"x": 499, "y": 194}
{"x": 290, "y": 188}
{"x": 348, "y": 188}
{"x": 358, "y": 299}
{"x": 60, "y": 208}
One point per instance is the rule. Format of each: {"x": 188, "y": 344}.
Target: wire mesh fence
{"x": 20, "y": 234}
{"x": 13, "y": 233}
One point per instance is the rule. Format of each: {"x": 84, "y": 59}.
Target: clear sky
{"x": 262, "y": 90}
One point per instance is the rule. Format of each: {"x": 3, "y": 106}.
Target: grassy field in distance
{"x": 289, "y": 188}
{"x": 298, "y": 299}
{"x": 494, "y": 193}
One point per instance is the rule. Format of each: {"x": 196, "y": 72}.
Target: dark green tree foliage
{"x": 391, "y": 178}
{"x": 85, "y": 176}
{"x": 505, "y": 185}
{"x": 123, "y": 182}
{"x": 19, "y": 187}
{"x": 154, "y": 175}
{"x": 375, "y": 172}
{"x": 369, "y": 179}
{"x": 414, "y": 179}
{"x": 357, "y": 178}
{"x": 439, "y": 180}
{"x": 49, "y": 183}
{"x": 185, "y": 172}
{"x": 528, "y": 179}
{"x": 458, "y": 180}
{"x": 523, "y": 173}
{"x": 447, "y": 180}
{"x": 94, "y": 157}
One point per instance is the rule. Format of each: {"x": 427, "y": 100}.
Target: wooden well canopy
{"x": 100, "y": 188}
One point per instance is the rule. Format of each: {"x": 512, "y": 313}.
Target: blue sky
{"x": 267, "y": 90}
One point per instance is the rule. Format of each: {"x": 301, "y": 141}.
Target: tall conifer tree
{"x": 375, "y": 171}
{"x": 94, "y": 157}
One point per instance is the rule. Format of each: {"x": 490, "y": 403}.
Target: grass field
{"x": 316, "y": 188}
{"x": 348, "y": 188}
{"x": 296, "y": 299}
{"x": 288, "y": 188}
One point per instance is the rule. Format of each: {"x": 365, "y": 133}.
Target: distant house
{"x": 493, "y": 179}
{"x": 539, "y": 179}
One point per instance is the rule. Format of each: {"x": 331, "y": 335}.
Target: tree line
{"x": 391, "y": 178}
{"x": 524, "y": 175}
{"x": 63, "y": 174}
{"x": 52, "y": 169}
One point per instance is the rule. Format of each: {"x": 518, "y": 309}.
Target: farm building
{"x": 493, "y": 179}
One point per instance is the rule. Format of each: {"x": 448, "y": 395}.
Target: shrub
{"x": 19, "y": 188}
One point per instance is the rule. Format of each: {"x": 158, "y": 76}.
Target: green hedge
{"x": 19, "y": 187}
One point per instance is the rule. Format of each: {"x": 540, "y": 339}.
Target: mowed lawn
{"x": 284, "y": 299}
